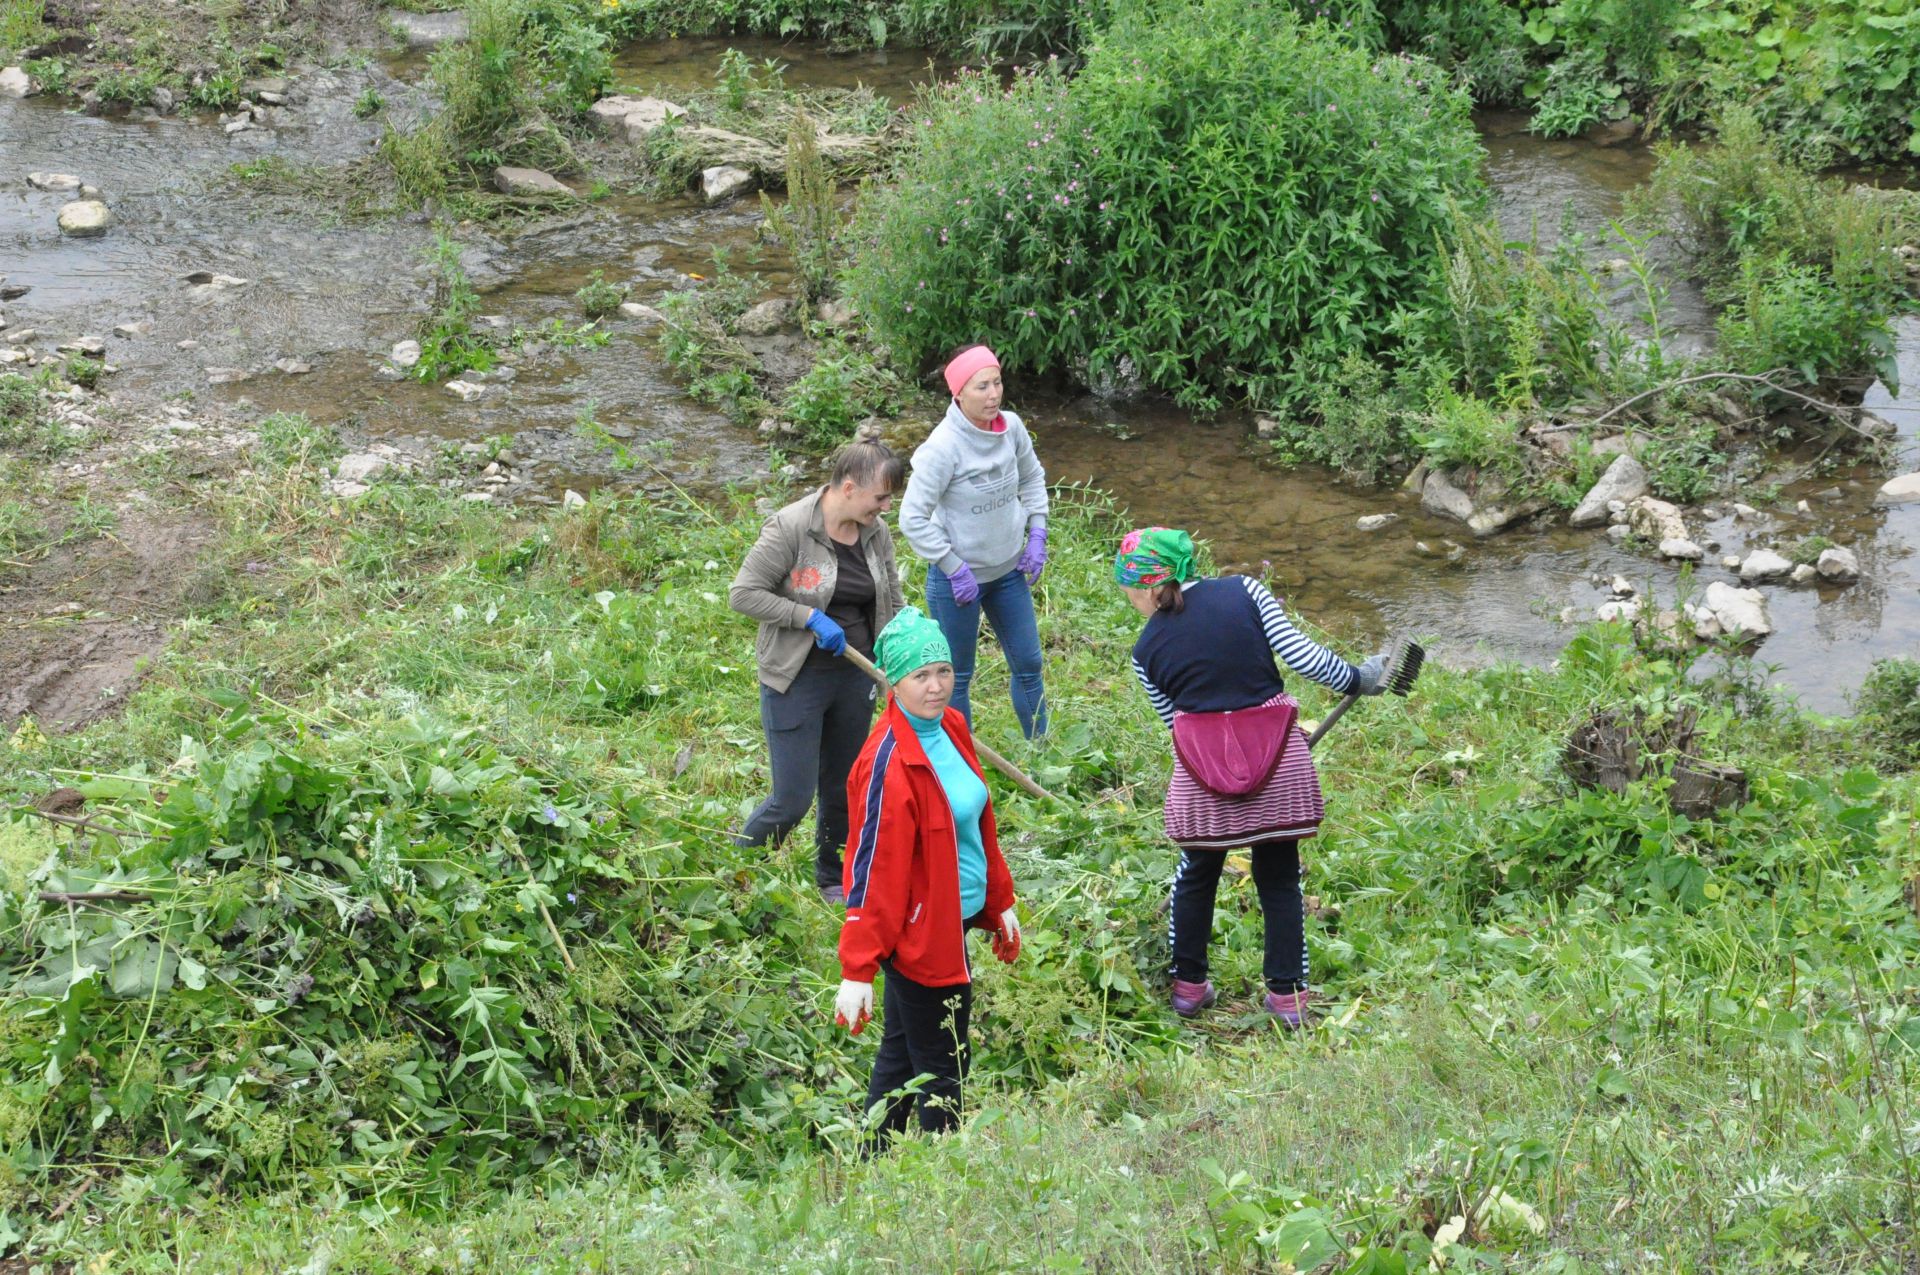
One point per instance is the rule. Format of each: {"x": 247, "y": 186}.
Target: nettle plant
{"x": 1223, "y": 199}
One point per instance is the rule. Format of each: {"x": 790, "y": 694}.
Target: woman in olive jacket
{"x": 821, "y": 577}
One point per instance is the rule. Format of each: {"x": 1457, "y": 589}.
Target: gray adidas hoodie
{"x": 972, "y": 496}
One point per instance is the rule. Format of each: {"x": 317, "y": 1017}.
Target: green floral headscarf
{"x": 910, "y": 641}
{"x": 1152, "y": 556}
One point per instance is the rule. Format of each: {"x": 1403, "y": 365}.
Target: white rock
{"x": 227, "y": 375}
{"x": 21, "y": 336}
{"x": 91, "y": 346}
{"x": 571, "y": 499}
{"x": 213, "y": 280}
{"x": 132, "y": 331}
{"x": 360, "y": 467}
{"x": 1802, "y": 507}
{"x": 1619, "y": 609}
{"x": 766, "y": 318}
{"x": 405, "y": 354}
{"x": 85, "y": 219}
{"x": 53, "y": 181}
{"x": 1682, "y": 548}
{"x": 1746, "y": 513}
{"x": 528, "y": 181}
{"x": 465, "y": 391}
{"x": 188, "y": 344}
{"x": 1730, "y": 562}
{"x": 1803, "y": 573}
{"x": 1742, "y": 611}
{"x": 347, "y": 490}
{"x": 1838, "y": 565}
{"x": 723, "y": 182}
{"x": 835, "y": 314}
{"x": 1622, "y": 587}
{"x": 293, "y": 367}
{"x": 1655, "y": 520}
{"x": 629, "y": 119}
{"x": 1569, "y": 615}
{"x": 15, "y": 83}
{"x": 1764, "y": 564}
{"x": 1619, "y": 531}
{"x": 1624, "y": 480}
{"x": 1373, "y": 522}
{"x": 636, "y": 310}
{"x": 477, "y": 497}
{"x": 238, "y": 126}
{"x": 1899, "y": 491}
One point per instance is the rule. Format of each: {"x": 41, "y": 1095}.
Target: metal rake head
{"x": 1408, "y": 656}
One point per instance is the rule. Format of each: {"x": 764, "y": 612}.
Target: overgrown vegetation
{"x": 1267, "y": 174}
{"x": 449, "y": 345}
{"x": 324, "y": 976}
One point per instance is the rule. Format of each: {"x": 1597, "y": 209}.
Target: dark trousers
{"x": 815, "y": 731}
{"x": 925, "y": 1034}
{"x": 1276, "y": 876}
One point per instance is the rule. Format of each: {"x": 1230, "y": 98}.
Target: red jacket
{"x": 902, "y": 873}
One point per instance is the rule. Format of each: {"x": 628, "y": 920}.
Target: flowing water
{"x": 336, "y": 293}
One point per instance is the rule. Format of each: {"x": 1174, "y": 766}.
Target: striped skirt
{"x": 1287, "y": 806}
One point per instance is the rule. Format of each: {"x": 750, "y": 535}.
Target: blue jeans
{"x": 1008, "y": 603}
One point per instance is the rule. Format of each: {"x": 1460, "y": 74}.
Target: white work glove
{"x": 1373, "y": 675}
{"x": 853, "y": 1007}
{"x": 1006, "y": 939}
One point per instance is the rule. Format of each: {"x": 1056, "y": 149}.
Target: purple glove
{"x": 1034, "y": 560}
{"x": 966, "y": 589}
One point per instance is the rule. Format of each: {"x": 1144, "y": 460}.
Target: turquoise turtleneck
{"x": 967, "y": 796}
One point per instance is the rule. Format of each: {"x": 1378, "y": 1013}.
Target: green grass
{"x": 1676, "y": 1045}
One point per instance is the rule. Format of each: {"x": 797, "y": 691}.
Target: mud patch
{"x": 79, "y": 628}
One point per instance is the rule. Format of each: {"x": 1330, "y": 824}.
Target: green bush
{"x": 1685, "y": 466}
{"x": 599, "y": 298}
{"x": 842, "y": 388}
{"x": 1889, "y": 706}
{"x": 1459, "y": 429}
{"x": 448, "y": 343}
{"x": 1353, "y": 421}
{"x": 1222, "y": 202}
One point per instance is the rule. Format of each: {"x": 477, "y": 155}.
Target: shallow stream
{"x": 336, "y": 293}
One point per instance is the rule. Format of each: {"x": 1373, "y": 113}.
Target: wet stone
{"x": 528, "y": 181}
{"x": 1764, "y": 564}
{"x": 1373, "y": 522}
{"x": 723, "y": 182}
{"x": 15, "y": 82}
{"x": 405, "y": 353}
{"x": 85, "y": 219}
{"x": 53, "y": 181}
{"x": 134, "y": 330}
{"x": 1838, "y": 566}
{"x": 1803, "y": 573}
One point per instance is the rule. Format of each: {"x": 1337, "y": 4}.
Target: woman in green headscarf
{"x": 923, "y": 865}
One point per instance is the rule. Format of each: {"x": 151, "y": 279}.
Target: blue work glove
{"x": 1034, "y": 560}
{"x": 827, "y": 635}
{"x": 1373, "y": 675}
{"x": 966, "y": 589}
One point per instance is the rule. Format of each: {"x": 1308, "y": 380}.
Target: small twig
{"x": 73, "y": 1197}
{"x": 90, "y": 824}
{"x": 95, "y": 896}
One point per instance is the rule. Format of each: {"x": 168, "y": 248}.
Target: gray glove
{"x": 1373, "y": 675}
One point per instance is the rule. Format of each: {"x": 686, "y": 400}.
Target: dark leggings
{"x": 1276, "y": 876}
{"x": 925, "y": 1034}
{"x": 815, "y": 730}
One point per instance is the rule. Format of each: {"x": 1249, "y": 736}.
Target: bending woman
{"x": 821, "y": 576}
{"x": 924, "y": 867}
{"x": 1241, "y": 773}
{"x": 976, "y": 510}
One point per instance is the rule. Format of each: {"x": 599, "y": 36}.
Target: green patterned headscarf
{"x": 910, "y": 641}
{"x": 1152, "y": 556}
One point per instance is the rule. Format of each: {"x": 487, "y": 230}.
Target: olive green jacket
{"x": 791, "y": 572}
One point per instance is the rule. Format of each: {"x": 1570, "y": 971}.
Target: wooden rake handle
{"x": 991, "y": 757}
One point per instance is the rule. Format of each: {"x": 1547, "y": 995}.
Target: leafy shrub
{"x": 697, "y": 338}
{"x": 1685, "y": 466}
{"x": 448, "y": 343}
{"x": 23, "y": 417}
{"x": 842, "y": 388}
{"x": 1790, "y": 317}
{"x": 808, "y": 223}
{"x": 80, "y": 370}
{"x": 1577, "y": 95}
{"x": 1353, "y": 421}
{"x": 1483, "y": 42}
{"x": 1222, "y": 201}
{"x": 1807, "y": 551}
{"x": 599, "y": 298}
{"x": 1460, "y": 429}
{"x": 1889, "y": 706}
{"x": 369, "y": 103}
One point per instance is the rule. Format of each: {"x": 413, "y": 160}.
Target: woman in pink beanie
{"x": 976, "y": 510}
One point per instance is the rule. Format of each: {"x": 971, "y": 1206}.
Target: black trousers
{"x": 1276, "y": 877}
{"x": 925, "y": 1034}
{"x": 815, "y": 730}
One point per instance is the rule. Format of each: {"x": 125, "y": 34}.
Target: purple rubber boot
{"x": 1190, "y": 998}
{"x": 1290, "y": 1008}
